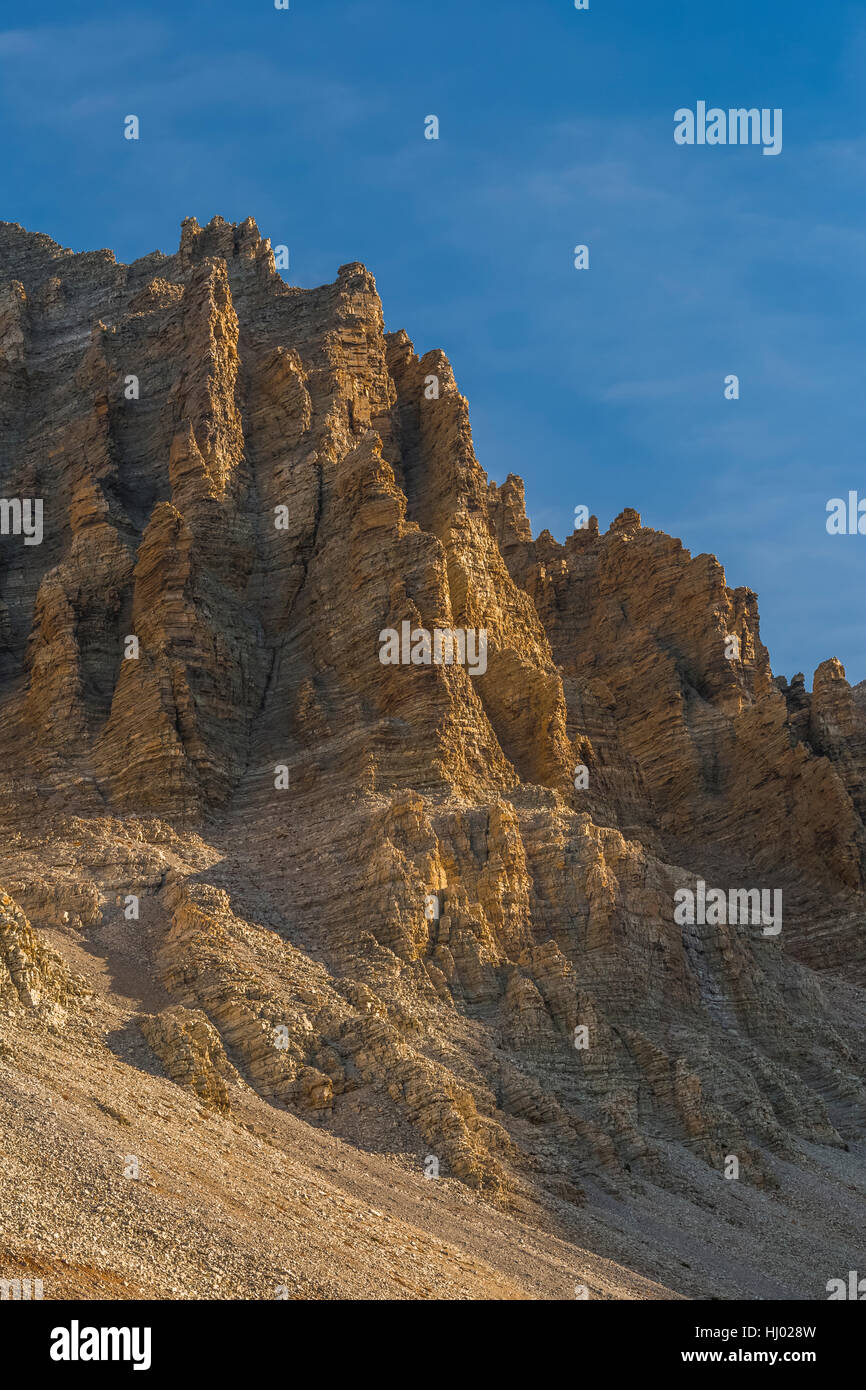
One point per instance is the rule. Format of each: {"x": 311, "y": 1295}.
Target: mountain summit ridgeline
{"x": 292, "y": 933}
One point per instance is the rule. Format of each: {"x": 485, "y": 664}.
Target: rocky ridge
{"x": 225, "y": 832}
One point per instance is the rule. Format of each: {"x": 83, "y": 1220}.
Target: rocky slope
{"x": 224, "y": 818}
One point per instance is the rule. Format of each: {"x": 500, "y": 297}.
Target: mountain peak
{"x": 342, "y": 810}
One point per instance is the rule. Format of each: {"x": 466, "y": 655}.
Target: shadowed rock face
{"x": 255, "y": 481}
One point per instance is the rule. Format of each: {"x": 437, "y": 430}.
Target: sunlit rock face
{"x": 425, "y": 905}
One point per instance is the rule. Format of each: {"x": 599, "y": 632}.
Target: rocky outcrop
{"x": 427, "y": 907}
{"x": 191, "y": 1050}
{"x": 32, "y": 976}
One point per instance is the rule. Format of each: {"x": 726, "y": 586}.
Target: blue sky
{"x": 602, "y": 387}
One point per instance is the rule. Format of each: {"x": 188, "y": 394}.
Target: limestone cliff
{"x": 244, "y": 484}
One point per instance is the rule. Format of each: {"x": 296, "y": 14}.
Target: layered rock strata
{"x": 245, "y": 484}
